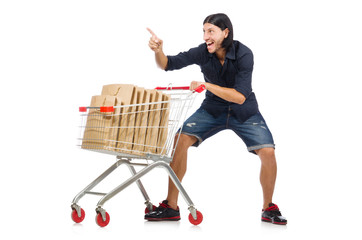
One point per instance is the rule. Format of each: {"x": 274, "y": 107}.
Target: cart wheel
{"x": 148, "y": 210}
{"x": 198, "y": 219}
{"x": 75, "y": 216}
{"x": 99, "y": 220}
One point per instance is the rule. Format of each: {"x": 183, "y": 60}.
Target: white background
{"x": 54, "y": 55}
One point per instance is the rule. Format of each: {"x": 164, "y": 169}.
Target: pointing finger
{"x": 154, "y": 37}
{"x": 152, "y": 33}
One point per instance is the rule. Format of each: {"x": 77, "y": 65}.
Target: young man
{"x": 230, "y": 103}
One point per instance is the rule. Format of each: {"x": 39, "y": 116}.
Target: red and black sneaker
{"x": 273, "y": 215}
{"x": 164, "y": 213}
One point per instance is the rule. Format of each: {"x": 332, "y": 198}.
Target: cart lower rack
{"x": 142, "y": 134}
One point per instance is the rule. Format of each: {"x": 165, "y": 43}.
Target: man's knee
{"x": 267, "y": 150}
{"x": 266, "y": 153}
{"x": 185, "y": 141}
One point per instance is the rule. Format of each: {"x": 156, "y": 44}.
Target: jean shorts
{"x": 254, "y": 131}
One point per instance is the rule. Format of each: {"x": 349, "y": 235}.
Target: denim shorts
{"x": 254, "y": 131}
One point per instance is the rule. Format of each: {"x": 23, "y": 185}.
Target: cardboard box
{"x": 127, "y": 94}
{"x": 125, "y": 91}
{"x": 153, "y": 122}
{"x": 127, "y": 125}
{"x": 141, "y": 123}
{"x": 133, "y": 129}
{"x": 99, "y": 132}
{"x": 163, "y": 130}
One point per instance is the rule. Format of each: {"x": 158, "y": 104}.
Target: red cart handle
{"x": 198, "y": 89}
{"x": 103, "y": 109}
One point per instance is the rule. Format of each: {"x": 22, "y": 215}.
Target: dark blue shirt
{"x": 235, "y": 73}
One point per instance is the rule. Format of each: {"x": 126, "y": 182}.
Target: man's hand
{"x": 155, "y": 43}
{"x": 195, "y": 84}
{"x": 228, "y": 94}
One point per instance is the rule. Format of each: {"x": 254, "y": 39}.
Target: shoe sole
{"x": 270, "y": 221}
{"x": 164, "y": 219}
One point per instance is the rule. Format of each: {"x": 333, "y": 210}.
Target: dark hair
{"x": 222, "y": 21}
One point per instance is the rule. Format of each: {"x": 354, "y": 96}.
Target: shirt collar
{"x": 231, "y": 52}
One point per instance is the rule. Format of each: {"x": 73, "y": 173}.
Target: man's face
{"x": 214, "y": 36}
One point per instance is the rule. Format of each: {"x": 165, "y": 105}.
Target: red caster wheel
{"x": 99, "y": 220}
{"x": 148, "y": 210}
{"x": 75, "y": 216}
{"x": 198, "y": 219}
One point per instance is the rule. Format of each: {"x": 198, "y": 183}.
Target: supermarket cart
{"x": 142, "y": 135}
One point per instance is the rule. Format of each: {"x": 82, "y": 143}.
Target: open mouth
{"x": 210, "y": 45}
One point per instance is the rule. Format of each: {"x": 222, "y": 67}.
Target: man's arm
{"x": 228, "y": 94}
{"x": 156, "y": 45}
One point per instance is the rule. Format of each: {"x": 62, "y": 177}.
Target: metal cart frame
{"x": 161, "y": 160}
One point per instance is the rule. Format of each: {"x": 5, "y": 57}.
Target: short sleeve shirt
{"x": 235, "y": 73}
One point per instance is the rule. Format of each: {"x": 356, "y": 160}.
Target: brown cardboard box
{"x": 127, "y": 94}
{"x": 163, "y": 130}
{"x": 125, "y": 91}
{"x": 127, "y": 125}
{"x": 141, "y": 123}
{"x": 153, "y": 121}
{"x": 99, "y": 132}
{"x": 130, "y": 129}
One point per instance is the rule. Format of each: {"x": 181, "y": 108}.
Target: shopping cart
{"x": 143, "y": 134}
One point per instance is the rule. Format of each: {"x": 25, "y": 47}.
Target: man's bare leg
{"x": 179, "y": 165}
{"x": 268, "y": 174}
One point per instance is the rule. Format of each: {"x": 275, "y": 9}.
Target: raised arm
{"x": 156, "y": 45}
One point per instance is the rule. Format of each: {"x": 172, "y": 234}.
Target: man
{"x": 227, "y": 66}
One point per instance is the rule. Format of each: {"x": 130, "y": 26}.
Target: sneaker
{"x": 273, "y": 215}
{"x": 163, "y": 213}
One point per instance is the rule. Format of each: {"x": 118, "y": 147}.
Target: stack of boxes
{"x": 132, "y": 129}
